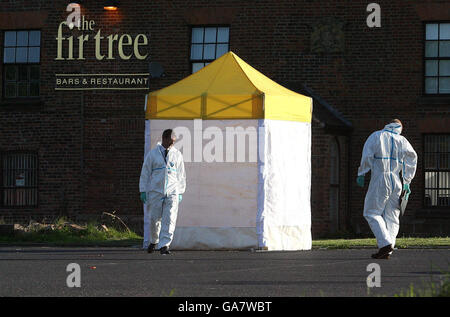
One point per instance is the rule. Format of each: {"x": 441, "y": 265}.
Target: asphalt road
{"x": 41, "y": 271}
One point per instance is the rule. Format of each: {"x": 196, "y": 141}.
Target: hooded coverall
{"x": 386, "y": 153}
{"x": 163, "y": 179}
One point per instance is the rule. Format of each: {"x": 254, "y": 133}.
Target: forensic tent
{"x": 246, "y": 143}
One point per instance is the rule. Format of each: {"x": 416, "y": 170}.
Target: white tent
{"x": 246, "y": 143}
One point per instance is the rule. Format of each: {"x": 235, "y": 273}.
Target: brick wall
{"x": 90, "y": 144}
{"x": 320, "y": 185}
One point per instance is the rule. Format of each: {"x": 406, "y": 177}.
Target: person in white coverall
{"x": 162, "y": 184}
{"x": 386, "y": 153}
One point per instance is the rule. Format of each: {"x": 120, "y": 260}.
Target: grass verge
{"x": 401, "y": 243}
{"x": 91, "y": 234}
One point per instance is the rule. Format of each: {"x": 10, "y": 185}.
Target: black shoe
{"x": 381, "y": 256}
{"x": 383, "y": 253}
{"x": 164, "y": 250}
{"x": 151, "y": 248}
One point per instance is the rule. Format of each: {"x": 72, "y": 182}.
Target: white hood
{"x": 394, "y": 127}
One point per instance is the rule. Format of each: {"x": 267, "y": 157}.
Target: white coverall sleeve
{"x": 409, "y": 162}
{"x": 367, "y": 155}
{"x": 181, "y": 176}
{"x": 146, "y": 173}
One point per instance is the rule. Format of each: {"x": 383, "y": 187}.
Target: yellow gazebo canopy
{"x": 228, "y": 88}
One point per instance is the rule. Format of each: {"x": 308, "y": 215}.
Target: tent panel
{"x": 284, "y": 185}
{"x": 225, "y": 106}
{"x": 231, "y": 80}
{"x": 297, "y": 108}
{"x": 280, "y": 102}
{"x": 224, "y": 76}
{"x": 221, "y": 84}
{"x": 262, "y": 82}
{"x": 181, "y": 106}
{"x": 207, "y": 107}
{"x": 197, "y": 83}
{"x": 288, "y": 238}
{"x": 213, "y": 238}
{"x": 211, "y": 93}
{"x": 236, "y": 109}
{"x": 227, "y": 197}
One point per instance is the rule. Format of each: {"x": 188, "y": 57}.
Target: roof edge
{"x": 330, "y": 108}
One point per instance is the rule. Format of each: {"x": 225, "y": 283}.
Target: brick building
{"x": 77, "y": 153}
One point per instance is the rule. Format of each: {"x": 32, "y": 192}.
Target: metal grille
{"x": 19, "y": 180}
{"x": 437, "y": 170}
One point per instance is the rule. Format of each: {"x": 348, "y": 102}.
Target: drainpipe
{"x": 82, "y": 181}
{"x": 349, "y": 182}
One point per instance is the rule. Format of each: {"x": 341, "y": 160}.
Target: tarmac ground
{"x": 44, "y": 271}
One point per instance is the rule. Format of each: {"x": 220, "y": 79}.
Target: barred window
{"x": 437, "y": 170}
{"x": 19, "y": 179}
{"x": 207, "y": 44}
{"x": 21, "y": 58}
{"x": 437, "y": 58}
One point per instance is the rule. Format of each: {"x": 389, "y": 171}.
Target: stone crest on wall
{"x": 328, "y": 36}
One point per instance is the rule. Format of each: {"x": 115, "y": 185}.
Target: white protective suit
{"x": 163, "y": 179}
{"x": 386, "y": 153}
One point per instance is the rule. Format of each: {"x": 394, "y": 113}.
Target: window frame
{"x": 217, "y": 26}
{"x": 425, "y": 170}
{"x": 425, "y": 59}
{"x": 29, "y": 65}
{"x": 2, "y": 187}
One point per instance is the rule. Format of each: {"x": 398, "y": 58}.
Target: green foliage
{"x": 62, "y": 232}
{"x": 401, "y": 243}
{"x": 432, "y": 289}
{"x": 171, "y": 293}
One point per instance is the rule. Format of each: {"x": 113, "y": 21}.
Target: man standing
{"x": 162, "y": 183}
{"x": 386, "y": 153}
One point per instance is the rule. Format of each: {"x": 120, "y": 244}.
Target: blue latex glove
{"x": 180, "y": 198}
{"x": 407, "y": 189}
{"x": 360, "y": 181}
{"x": 144, "y": 197}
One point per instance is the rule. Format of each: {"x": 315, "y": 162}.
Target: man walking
{"x": 386, "y": 153}
{"x": 162, "y": 183}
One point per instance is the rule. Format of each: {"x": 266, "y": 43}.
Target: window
{"x": 19, "y": 180}
{"x": 207, "y": 44}
{"x": 21, "y": 58}
{"x": 437, "y": 58}
{"x": 437, "y": 170}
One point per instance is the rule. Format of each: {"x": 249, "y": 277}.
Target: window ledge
{"x": 21, "y": 104}
{"x": 433, "y": 100}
